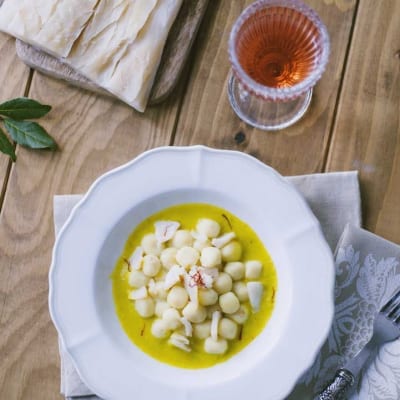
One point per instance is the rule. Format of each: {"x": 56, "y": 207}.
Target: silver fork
{"x": 386, "y": 329}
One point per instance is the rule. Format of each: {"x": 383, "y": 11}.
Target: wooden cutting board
{"x": 176, "y": 51}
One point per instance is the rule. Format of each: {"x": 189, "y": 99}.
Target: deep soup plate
{"x": 88, "y": 246}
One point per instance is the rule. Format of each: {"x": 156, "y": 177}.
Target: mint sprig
{"x": 14, "y": 114}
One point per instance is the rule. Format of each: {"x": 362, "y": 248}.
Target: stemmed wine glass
{"x": 278, "y": 50}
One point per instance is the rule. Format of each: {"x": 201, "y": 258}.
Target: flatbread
{"x": 134, "y": 75}
{"x": 51, "y": 25}
{"x": 112, "y": 29}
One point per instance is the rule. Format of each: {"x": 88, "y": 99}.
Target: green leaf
{"x": 6, "y": 146}
{"x": 23, "y": 108}
{"x": 29, "y": 134}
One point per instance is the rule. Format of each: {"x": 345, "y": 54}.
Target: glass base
{"x": 264, "y": 114}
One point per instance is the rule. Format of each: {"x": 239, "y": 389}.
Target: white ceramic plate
{"x": 88, "y": 246}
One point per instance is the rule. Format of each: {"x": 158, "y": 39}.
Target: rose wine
{"x": 277, "y": 47}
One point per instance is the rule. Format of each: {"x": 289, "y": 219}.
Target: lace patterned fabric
{"x": 367, "y": 275}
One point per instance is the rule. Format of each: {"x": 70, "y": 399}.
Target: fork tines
{"x": 392, "y": 308}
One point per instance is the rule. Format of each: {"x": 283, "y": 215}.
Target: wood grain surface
{"x": 353, "y": 123}
{"x": 207, "y": 116}
{"x": 175, "y": 54}
{"x": 14, "y": 85}
{"x": 367, "y": 130}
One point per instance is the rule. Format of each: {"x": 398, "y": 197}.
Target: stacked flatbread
{"x": 115, "y": 43}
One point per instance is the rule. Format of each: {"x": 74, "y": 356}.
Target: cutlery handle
{"x": 342, "y": 381}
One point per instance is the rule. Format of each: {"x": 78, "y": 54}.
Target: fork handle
{"x": 335, "y": 390}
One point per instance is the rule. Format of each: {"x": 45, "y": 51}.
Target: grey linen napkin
{"x": 335, "y": 200}
{"x": 367, "y": 275}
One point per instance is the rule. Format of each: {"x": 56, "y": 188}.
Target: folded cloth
{"x": 333, "y": 197}
{"x": 367, "y": 275}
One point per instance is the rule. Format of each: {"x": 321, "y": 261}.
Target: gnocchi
{"x": 210, "y": 257}
{"x": 223, "y": 283}
{"x": 240, "y": 289}
{"x": 171, "y": 317}
{"x": 218, "y": 346}
{"x": 168, "y": 257}
{"x": 201, "y": 244}
{"x": 240, "y": 316}
{"x": 182, "y": 238}
{"x": 229, "y": 303}
{"x": 151, "y": 265}
{"x": 159, "y": 290}
{"x": 160, "y": 307}
{"x": 145, "y": 307}
{"x": 194, "y": 312}
{"x": 202, "y": 330}
{"x": 177, "y": 297}
{"x": 253, "y": 269}
{"x": 207, "y": 297}
{"x": 232, "y": 251}
{"x": 159, "y": 329}
{"x": 208, "y": 227}
{"x": 151, "y": 245}
{"x": 187, "y": 256}
{"x": 138, "y": 279}
{"x": 235, "y": 269}
{"x": 194, "y": 284}
{"x": 227, "y": 329}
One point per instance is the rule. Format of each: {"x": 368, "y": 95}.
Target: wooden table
{"x": 353, "y": 123}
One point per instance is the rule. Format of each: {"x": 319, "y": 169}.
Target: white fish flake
{"x": 136, "y": 258}
{"x": 173, "y": 276}
{"x": 223, "y": 240}
{"x": 207, "y": 277}
{"x": 216, "y": 316}
{"x": 165, "y": 230}
{"x": 255, "y": 290}
{"x": 188, "y": 326}
{"x": 180, "y": 341}
{"x": 152, "y": 288}
{"x": 191, "y": 287}
{"x": 199, "y": 236}
{"x": 138, "y": 294}
{"x": 213, "y": 272}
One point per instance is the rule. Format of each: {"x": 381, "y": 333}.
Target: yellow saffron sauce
{"x": 138, "y": 329}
